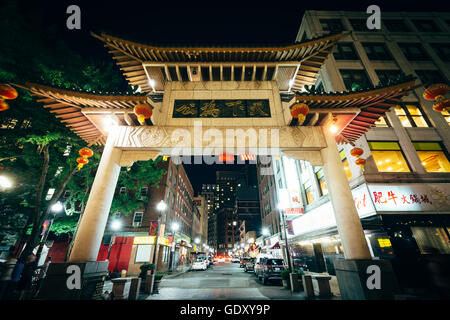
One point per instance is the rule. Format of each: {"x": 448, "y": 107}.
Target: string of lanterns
{"x": 357, "y": 152}
{"x": 143, "y": 112}
{"x": 7, "y": 92}
{"x": 437, "y": 92}
{"x": 85, "y": 153}
{"x": 299, "y": 111}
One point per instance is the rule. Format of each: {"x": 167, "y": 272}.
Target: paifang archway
{"x": 212, "y": 100}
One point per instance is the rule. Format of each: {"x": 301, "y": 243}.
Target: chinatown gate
{"x": 209, "y": 101}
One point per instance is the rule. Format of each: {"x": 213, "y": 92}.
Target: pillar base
{"x": 93, "y": 275}
{"x": 352, "y": 279}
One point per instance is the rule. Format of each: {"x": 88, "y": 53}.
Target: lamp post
{"x": 281, "y": 207}
{"x": 5, "y": 183}
{"x": 161, "y": 206}
{"x": 265, "y": 232}
{"x": 55, "y": 208}
{"x": 115, "y": 225}
{"x": 197, "y": 241}
{"x": 175, "y": 226}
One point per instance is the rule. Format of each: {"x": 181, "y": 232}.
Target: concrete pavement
{"x": 223, "y": 281}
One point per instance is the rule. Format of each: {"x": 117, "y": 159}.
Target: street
{"x": 222, "y": 281}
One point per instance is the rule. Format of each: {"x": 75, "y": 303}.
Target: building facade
{"x": 403, "y": 193}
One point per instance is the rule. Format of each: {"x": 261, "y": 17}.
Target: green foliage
{"x": 134, "y": 178}
{"x": 158, "y": 276}
{"x": 285, "y": 274}
{"x": 33, "y": 52}
{"x": 144, "y": 269}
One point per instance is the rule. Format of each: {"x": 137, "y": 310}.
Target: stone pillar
{"x": 93, "y": 222}
{"x": 355, "y": 273}
{"x": 347, "y": 219}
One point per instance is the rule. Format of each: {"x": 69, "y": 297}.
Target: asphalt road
{"x": 222, "y": 281}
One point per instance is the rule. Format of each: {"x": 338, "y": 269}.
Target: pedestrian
{"x": 42, "y": 275}
{"x": 6, "y": 272}
{"x": 26, "y": 281}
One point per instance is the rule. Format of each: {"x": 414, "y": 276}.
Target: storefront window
{"x": 432, "y": 156}
{"x": 322, "y": 183}
{"x": 388, "y": 156}
{"x": 432, "y": 240}
{"x": 348, "y": 172}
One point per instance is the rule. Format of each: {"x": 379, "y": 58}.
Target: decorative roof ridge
{"x": 403, "y": 79}
{"x": 334, "y": 36}
{"x": 84, "y": 94}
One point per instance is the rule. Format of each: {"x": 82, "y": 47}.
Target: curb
{"x": 170, "y": 276}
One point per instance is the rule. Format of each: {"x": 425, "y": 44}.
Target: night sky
{"x": 194, "y": 23}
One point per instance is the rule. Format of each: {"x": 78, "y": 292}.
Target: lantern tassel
{"x": 141, "y": 119}
{"x": 79, "y": 166}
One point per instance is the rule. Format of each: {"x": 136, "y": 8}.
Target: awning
{"x": 275, "y": 246}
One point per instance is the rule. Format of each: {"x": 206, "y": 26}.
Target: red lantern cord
{"x": 81, "y": 162}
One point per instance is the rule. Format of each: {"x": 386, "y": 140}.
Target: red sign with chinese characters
{"x": 170, "y": 237}
{"x": 153, "y": 228}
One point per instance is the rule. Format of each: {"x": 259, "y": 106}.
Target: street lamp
{"x": 115, "y": 225}
{"x": 5, "y": 183}
{"x": 161, "y": 206}
{"x": 265, "y": 232}
{"x": 281, "y": 206}
{"x": 175, "y": 226}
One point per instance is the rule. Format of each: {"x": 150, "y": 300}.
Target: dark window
{"x": 205, "y": 73}
{"x": 352, "y": 77}
{"x": 377, "y": 51}
{"x": 426, "y": 26}
{"x": 237, "y": 73}
{"x": 184, "y": 74}
{"x": 226, "y": 73}
{"x": 359, "y": 25}
{"x": 216, "y": 73}
{"x": 430, "y": 76}
{"x": 173, "y": 73}
{"x": 413, "y": 51}
{"x": 442, "y": 50}
{"x": 386, "y": 75}
{"x": 248, "y": 73}
{"x": 332, "y": 25}
{"x": 345, "y": 51}
{"x": 259, "y": 73}
{"x": 269, "y": 73}
{"x": 396, "y": 26}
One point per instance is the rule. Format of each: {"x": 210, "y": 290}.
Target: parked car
{"x": 258, "y": 261}
{"x": 235, "y": 260}
{"x": 270, "y": 269}
{"x": 227, "y": 259}
{"x": 242, "y": 262}
{"x": 200, "y": 264}
{"x": 249, "y": 265}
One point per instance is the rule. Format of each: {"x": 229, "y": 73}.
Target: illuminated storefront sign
{"x": 383, "y": 199}
{"x": 291, "y": 196}
{"x": 151, "y": 240}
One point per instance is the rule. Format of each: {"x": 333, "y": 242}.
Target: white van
{"x": 258, "y": 259}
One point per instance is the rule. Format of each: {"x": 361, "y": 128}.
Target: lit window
{"x": 50, "y": 193}
{"x": 308, "y": 191}
{"x": 410, "y": 115}
{"x": 432, "y": 156}
{"x": 388, "y": 156}
{"x": 348, "y": 172}
{"x": 431, "y": 240}
{"x": 322, "y": 183}
{"x": 446, "y": 116}
{"x": 382, "y": 122}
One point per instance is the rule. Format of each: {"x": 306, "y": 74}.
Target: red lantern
{"x": 86, "y": 152}
{"x": 441, "y": 105}
{"x": 299, "y": 111}
{"x": 436, "y": 92}
{"x": 81, "y": 162}
{"x": 7, "y": 92}
{"x": 360, "y": 162}
{"x": 3, "y": 105}
{"x": 356, "y": 152}
{"x": 226, "y": 157}
{"x": 143, "y": 111}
